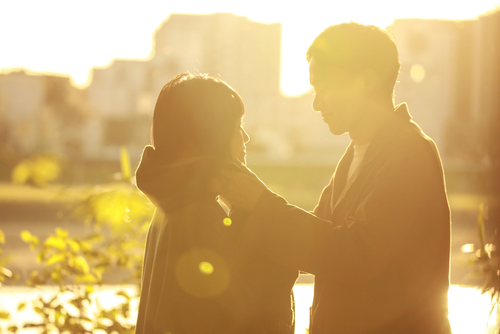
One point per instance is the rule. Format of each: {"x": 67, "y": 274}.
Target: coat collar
{"x": 385, "y": 134}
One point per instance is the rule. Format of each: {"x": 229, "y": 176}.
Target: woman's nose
{"x": 246, "y": 137}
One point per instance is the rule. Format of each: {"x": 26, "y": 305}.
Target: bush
{"x": 119, "y": 216}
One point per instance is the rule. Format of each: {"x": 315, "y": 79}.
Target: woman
{"x": 200, "y": 274}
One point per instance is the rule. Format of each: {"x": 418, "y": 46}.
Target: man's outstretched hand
{"x": 241, "y": 189}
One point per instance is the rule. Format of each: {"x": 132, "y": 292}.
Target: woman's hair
{"x": 195, "y": 115}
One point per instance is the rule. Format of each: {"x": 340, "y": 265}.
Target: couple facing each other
{"x": 223, "y": 251}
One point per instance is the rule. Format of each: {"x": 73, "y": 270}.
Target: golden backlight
{"x": 71, "y": 37}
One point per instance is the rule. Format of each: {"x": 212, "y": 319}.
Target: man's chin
{"x": 336, "y": 130}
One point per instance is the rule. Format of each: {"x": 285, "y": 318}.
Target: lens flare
{"x": 206, "y": 268}
{"x": 417, "y": 73}
{"x": 227, "y": 221}
{"x": 195, "y": 272}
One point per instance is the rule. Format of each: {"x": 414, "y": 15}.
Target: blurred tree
{"x": 119, "y": 215}
{"x": 37, "y": 171}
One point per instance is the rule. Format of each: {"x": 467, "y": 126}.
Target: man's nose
{"x": 317, "y": 103}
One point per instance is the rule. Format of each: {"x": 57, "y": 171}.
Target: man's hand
{"x": 240, "y": 189}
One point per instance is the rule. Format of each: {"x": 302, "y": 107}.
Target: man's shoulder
{"x": 418, "y": 139}
{"x": 405, "y": 141}
{"x": 399, "y": 134}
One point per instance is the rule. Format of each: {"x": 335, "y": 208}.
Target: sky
{"x": 71, "y": 37}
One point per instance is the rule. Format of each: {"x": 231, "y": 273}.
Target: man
{"x": 379, "y": 239}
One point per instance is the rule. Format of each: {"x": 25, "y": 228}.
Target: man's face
{"x": 339, "y": 96}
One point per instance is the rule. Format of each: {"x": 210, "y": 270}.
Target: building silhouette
{"x": 245, "y": 54}
{"x": 40, "y": 113}
{"x": 450, "y": 77}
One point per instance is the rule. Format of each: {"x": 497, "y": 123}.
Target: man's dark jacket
{"x": 378, "y": 244}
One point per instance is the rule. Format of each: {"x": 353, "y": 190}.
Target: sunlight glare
{"x": 469, "y": 310}
{"x": 71, "y": 38}
{"x": 206, "y": 268}
{"x": 227, "y": 221}
{"x": 417, "y": 73}
{"x": 468, "y": 248}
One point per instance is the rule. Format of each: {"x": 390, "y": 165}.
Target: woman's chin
{"x": 242, "y": 159}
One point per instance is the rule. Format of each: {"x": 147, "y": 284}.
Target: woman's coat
{"x": 201, "y": 274}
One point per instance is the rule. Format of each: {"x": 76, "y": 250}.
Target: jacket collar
{"x": 388, "y": 132}
{"x": 385, "y": 134}
{"x": 173, "y": 185}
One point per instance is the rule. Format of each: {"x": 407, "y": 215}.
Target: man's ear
{"x": 371, "y": 80}
{"x": 365, "y": 82}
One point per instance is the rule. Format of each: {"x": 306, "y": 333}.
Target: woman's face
{"x": 238, "y": 147}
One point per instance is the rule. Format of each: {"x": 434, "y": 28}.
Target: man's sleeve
{"x": 374, "y": 234}
{"x": 323, "y": 207}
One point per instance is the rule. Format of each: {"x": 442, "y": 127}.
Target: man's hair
{"x": 356, "y": 47}
{"x": 195, "y": 113}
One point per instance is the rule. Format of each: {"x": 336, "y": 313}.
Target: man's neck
{"x": 368, "y": 127}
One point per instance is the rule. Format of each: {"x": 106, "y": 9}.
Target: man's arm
{"x": 376, "y": 232}
{"x": 242, "y": 188}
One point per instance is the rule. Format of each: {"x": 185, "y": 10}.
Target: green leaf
{"x": 87, "y": 278}
{"x": 80, "y": 264}
{"x": 44, "y": 170}
{"x": 5, "y": 272}
{"x": 12, "y": 329}
{"x": 56, "y": 258}
{"x": 5, "y": 260}
{"x": 40, "y": 257}
{"x": 85, "y": 245}
{"x": 32, "y": 325}
{"x": 21, "y": 306}
{"x": 4, "y": 314}
{"x": 61, "y": 232}
{"x": 123, "y": 294}
{"x": 27, "y": 237}
{"x": 22, "y": 172}
{"x": 56, "y": 276}
{"x": 56, "y": 242}
{"x": 125, "y": 164}
{"x": 75, "y": 247}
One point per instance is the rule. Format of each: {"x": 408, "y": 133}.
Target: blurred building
{"x": 428, "y": 77}
{"x": 40, "y": 113}
{"x": 120, "y": 107}
{"x": 245, "y": 54}
{"x": 485, "y": 103}
{"x": 450, "y": 77}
